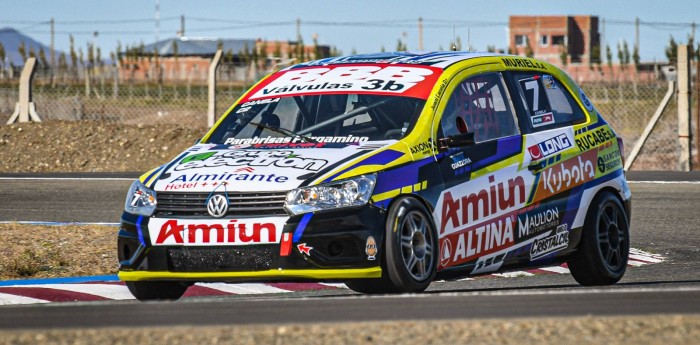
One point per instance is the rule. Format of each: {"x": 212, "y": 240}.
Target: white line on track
{"x": 243, "y": 289}
{"x": 556, "y": 269}
{"x": 111, "y": 291}
{"x": 8, "y": 299}
{"x": 513, "y": 274}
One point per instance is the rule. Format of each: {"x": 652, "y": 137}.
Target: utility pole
{"x": 298, "y": 30}
{"x": 420, "y": 33}
{"x": 53, "y": 53}
{"x": 636, "y": 34}
{"x": 602, "y": 40}
{"x": 157, "y": 20}
{"x": 684, "y": 161}
{"x": 182, "y": 25}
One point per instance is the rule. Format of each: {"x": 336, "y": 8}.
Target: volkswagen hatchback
{"x": 386, "y": 172}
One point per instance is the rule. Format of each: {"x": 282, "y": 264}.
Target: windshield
{"x": 324, "y": 118}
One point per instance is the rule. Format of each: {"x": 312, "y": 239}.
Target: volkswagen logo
{"x": 217, "y": 206}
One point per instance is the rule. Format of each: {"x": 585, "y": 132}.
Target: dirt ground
{"x": 90, "y": 146}
{"x": 57, "y": 251}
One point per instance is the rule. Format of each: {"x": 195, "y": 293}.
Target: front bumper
{"x": 328, "y": 245}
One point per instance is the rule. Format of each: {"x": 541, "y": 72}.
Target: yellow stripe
{"x": 386, "y": 195}
{"x": 349, "y": 273}
{"x": 416, "y": 187}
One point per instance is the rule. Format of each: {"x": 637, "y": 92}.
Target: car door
{"x": 548, "y": 113}
{"x": 479, "y": 161}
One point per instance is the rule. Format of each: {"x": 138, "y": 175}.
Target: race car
{"x": 386, "y": 171}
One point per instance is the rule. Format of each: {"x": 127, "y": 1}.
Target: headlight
{"x": 140, "y": 200}
{"x": 354, "y": 191}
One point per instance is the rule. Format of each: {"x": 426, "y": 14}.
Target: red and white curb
{"x": 106, "y": 291}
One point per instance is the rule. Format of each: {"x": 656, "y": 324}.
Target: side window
{"x": 547, "y": 103}
{"x": 480, "y": 105}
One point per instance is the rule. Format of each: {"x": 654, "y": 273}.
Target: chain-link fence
{"x": 629, "y": 107}
{"x": 102, "y": 95}
{"x": 105, "y": 96}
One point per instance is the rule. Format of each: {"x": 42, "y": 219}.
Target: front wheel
{"x": 602, "y": 255}
{"x": 411, "y": 242}
{"x": 409, "y": 261}
{"x": 157, "y": 290}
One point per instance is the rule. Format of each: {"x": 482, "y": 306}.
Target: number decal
{"x": 534, "y": 86}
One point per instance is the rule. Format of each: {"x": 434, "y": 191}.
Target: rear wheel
{"x": 602, "y": 255}
{"x": 158, "y": 290}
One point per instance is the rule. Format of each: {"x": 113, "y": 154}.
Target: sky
{"x": 363, "y": 26}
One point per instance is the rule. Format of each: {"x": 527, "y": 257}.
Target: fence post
{"x": 650, "y": 126}
{"x": 24, "y": 109}
{"x": 684, "y": 163}
{"x": 211, "y": 113}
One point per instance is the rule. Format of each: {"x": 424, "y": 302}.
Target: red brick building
{"x": 547, "y": 37}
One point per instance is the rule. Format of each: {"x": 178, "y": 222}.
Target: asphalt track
{"x": 666, "y": 214}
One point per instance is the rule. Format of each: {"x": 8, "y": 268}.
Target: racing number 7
{"x": 532, "y": 85}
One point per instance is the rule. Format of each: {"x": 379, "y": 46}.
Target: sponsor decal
{"x": 584, "y": 99}
{"x": 550, "y": 146}
{"x": 233, "y": 232}
{"x": 548, "y": 82}
{"x": 542, "y": 120}
{"x": 517, "y": 62}
{"x": 251, "y": 158}
{"x": 259, "y": 102}
{"x": 496, "y": 197}
{"x": 566, "y": 175}
{"x": 557, "y": 241}
{"x": 482, "y": 239}
{"x": 441, "y": 90}
{"x": 532, "y": 223}
{"x": 459, "y": 161}
{"x": 375, "y": 78}
{"x": 371, "y": 248}
{"x": 217, "y": 205}
{"x": 593, "y": 138}
{"x": 425, "y": 147}
{"x": 609, "y": 161}
{"x": 304, "y": 249}
{"x": 293, "y": 142}
{"x": 248, "y": 105}
{"x": 445, "y": 252}
{"x": 200, "y": 180}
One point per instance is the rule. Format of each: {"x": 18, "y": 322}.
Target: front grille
{"x": 220, "y": 259}
{"x": 240, "y": 204}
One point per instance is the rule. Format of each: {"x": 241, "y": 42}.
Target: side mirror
{"x": 457, "y": 140}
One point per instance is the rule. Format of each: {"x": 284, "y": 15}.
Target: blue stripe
{"x": 153, "y": 173}
{"x": 68, "y": 280}
{"x": 139, "y": 231}
{"x": 300, "y": 228}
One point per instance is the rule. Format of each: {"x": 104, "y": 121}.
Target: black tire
{"x": 411, "y": 246}
{"x": 601, "y": 258}
{"x": 409, "y": 265}
{"x": 159, "y": 290}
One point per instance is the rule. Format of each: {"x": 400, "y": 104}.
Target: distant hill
{"x": 11, "y": 39}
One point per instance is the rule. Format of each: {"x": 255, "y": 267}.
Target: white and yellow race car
{"x": 386, "y": 171}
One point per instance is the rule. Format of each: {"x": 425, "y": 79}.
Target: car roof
{"x": 439, "y": 59}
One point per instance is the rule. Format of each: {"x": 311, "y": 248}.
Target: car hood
{"x": 250, "y": 168}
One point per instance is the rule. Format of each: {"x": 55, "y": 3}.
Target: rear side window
{"x": 546, "y": 102}
{"x": 480, "y": 105}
